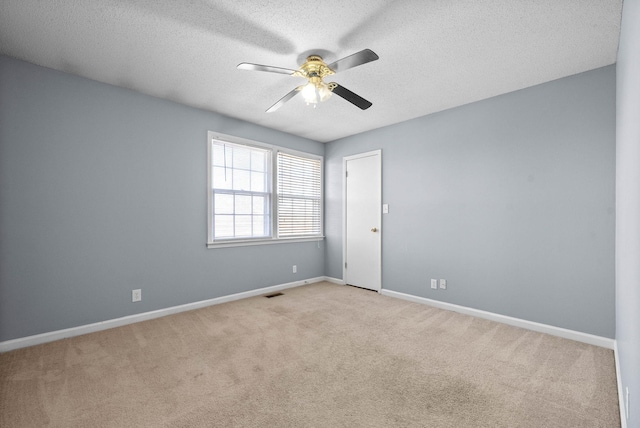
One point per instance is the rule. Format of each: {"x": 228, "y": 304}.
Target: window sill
{"x": 252, "y": 242}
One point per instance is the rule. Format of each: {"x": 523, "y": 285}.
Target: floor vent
{"x": 268, "y": 296}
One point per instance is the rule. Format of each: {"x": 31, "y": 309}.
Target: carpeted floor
{"x": 321, "y": 355}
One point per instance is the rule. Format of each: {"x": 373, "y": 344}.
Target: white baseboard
{"x": 516, "y": 322}
{"x": 621, "y": 395}
{"x": 38, "y": 339}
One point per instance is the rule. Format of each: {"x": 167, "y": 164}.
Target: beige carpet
{"x": 318, "y": 356}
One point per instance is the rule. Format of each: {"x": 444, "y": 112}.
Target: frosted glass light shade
{"x": 314, "y": 93}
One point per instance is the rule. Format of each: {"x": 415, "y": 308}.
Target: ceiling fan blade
{"x": 284, "y": 99}
{"x": 358, "y": 58}
{"x": 353, "y": 98}
{"x": 268, "y": 68}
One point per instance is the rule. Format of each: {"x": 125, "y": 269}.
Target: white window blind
{"x": 299, "y": 196}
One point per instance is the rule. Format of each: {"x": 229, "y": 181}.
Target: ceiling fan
{"x": 315, "y": 70}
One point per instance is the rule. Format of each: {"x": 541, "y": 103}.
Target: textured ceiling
{"x": 434, "y": 55}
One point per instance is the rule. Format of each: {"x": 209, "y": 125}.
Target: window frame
{"x": 273, "y": 239}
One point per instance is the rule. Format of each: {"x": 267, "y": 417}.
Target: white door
{"x": 363, "y": 206}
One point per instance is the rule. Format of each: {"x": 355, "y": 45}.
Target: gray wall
{"x": 510, "y": 199}
{"x": 628, "y": 208}
{"x": 103, "y": 190}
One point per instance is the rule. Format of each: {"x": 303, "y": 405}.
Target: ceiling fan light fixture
{"x": 316, "y": 92}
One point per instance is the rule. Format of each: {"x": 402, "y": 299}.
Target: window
{"x": 261, "y": 194}
{"x": 241, "y": 189}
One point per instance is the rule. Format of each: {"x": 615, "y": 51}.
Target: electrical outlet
{"x": 434, "y": 284}
{"x": 295, "y": 269}
{"x": 136, "y": 295}
{"x": 443, "y": 284}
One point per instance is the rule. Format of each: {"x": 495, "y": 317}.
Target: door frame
{"x": 345, "y": 159}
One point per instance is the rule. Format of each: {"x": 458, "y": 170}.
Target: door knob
{"x": 373, "y": 229}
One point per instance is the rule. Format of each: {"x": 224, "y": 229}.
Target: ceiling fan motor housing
{"x": 314, "y": 68}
